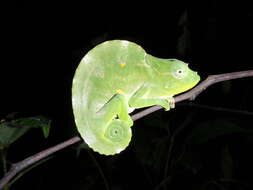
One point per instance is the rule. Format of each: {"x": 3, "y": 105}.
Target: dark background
{"x": 42, "y": 44}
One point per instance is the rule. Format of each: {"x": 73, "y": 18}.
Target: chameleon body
{"x": 112, "y": 80}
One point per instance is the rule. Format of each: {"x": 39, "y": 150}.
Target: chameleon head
{"x": 180, "y": 77}
{"x": 171, "y": 76}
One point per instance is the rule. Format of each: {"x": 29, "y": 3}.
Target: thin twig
{"x": 218, "y": 109}
{"x": 99, "y": 170}
{"x": 19, "y": 166}
{"x": 4, "y": 162}
{"x": 190, "y": 95}
{"x": 172, "y": 140}
{"x": 24, "y": 171}
{"x": 3, "y": 159}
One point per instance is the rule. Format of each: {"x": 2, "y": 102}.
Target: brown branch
{"x": 190, "y": 95}
{"x": 19, "y": 166}
{"x": 218, "y": 109}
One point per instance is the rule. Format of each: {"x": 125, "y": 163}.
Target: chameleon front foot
{"x": 171, "y": 102}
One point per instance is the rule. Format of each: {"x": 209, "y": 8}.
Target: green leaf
{"x": 214, "y": 128}
{"x": 46, "y": 129}
{"x": 9, "y": 134}
{"x": 12, "y": 130}
{"x": 227, "y": 163}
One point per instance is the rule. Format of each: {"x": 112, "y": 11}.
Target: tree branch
{"x": 190, "y": 95}
{"x": 19, "y": 166}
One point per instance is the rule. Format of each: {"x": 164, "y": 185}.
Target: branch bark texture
{"x": 190, "y": 95}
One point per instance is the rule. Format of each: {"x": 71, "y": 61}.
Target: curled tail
{"x": 107, "y": 140}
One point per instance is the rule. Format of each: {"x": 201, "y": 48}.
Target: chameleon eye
{"x": 179, "y": 74}
{"x": 179, "y": 71}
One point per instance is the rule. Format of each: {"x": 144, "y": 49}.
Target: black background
{"x": 43, "y": 42}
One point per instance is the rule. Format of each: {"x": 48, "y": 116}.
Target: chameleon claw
{"x": 172, "y": 103}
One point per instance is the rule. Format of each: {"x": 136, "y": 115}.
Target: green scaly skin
{"x": 112, "y": 80}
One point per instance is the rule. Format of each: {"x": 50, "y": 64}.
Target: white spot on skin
{"x": 118, "y": 150}
{"x": 145, "y": 64}
{"x": 124, "y": 44}
{"x": 87, "y": 58}
{"x": 76, "y": 101}
{"x": 90, "y": 138}
{"x": 99, "y": 73}
{"x": 130, "y": 110}
{"x": 145, "y": 55}
{"x": 106, "y": 42}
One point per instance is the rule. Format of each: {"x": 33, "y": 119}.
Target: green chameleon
{"x": 112, "y": 80}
